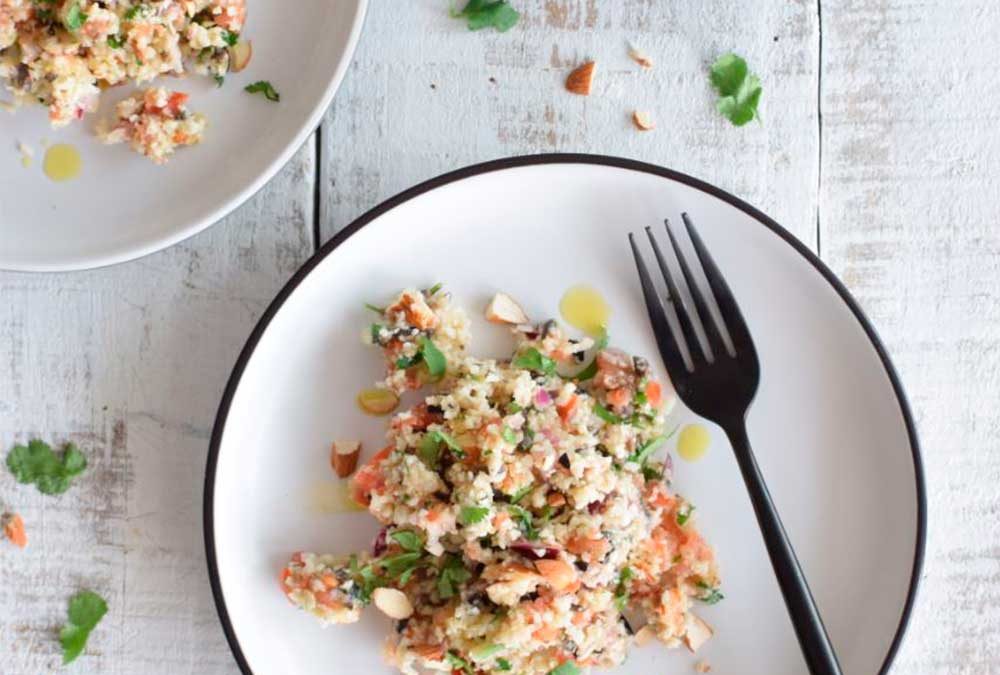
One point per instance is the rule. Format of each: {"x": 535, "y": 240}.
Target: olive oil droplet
{"x": 693, "y": 442}
{"x": 327, "y": 496}
{"x": 62, "y": 162}
{"x": 585, "y": 308}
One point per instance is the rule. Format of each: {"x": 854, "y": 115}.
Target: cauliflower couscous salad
{"x": 528, "y": 526}
{"x": 64, "y": 53}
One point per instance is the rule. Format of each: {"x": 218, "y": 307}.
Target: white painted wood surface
{"x": 876, "y": 147}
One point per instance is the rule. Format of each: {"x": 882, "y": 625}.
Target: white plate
{"x": 123, "y": 206}
{"x": 830, "y": 424}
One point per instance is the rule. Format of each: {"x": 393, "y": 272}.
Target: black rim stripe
{"x": 530, "y": 160}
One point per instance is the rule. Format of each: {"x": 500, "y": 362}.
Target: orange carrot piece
{"x": 566, "y": 409}
{"x": 558, "y": 573}
{"x": 13, "y": 529}
{"x": 654, "y": 393}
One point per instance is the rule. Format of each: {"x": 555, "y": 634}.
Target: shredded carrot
{"x": 619, "y": 397}
{"x": 13, "y": 529}
{"x": 566, "y": 409}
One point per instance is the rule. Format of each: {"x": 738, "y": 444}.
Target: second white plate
{"x": 830, "y": 425}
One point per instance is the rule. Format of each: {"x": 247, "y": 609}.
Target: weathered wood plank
{"x": 908, "y": 219}
{"x": 130, "y": 362}
{"x": 445, "y": 97}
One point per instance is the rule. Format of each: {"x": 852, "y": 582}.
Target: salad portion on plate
{"x": 527, "y": 525}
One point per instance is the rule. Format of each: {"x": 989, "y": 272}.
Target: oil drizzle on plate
{"x": 585, "y": 308}
{"x": 693, "y": 442}
{"x": 62, "y": 162}
{"x": 328, "y": 496}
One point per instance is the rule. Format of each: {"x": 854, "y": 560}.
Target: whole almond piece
{"x": 697, "y": 633}
{"x": 393, "y": 603}
{"x": 344, "y": 457}
{"x": 581, "y": 78}
{"x": 239, "y": 56}
{"x": 643, "y": 121}
{"x": 504, "y": 309}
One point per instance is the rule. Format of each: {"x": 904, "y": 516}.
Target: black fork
{"x": 719, "y": 384}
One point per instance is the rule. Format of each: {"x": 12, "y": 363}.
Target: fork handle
{"x": 813, "y": 640}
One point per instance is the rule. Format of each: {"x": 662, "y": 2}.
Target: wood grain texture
{"x": 446, "y": 97}
{"x": 909, "y": 221}
{"x": 129, "y": 363}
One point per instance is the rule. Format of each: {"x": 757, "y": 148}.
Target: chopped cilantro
{"x": 503, "y": 664}
{"x": 396, "y": 565}
{"x": 483, "y": 652}
{"x": 520, "y": 494}
{"x": 408, "y": 540}
{"x": 534, "y": 360}
{"x": 568, "y": 668}
{"x": 86, "y": 609}
{"x": 525, "y": 521}
{"x": 375, "y": 330}
{"x": 684, "y": 514}
{"x": 508, "y": 435}
{"x": 452, "y": 575}
{"x": 36, "y": 463}
{"x": 219, "y": 80}
{"x": 711, "y": 594}
{"x": 488, "y": 13}
{"x": 458, "y": 663}
{"x": 116, "y": 41}
{"x": 739, "y": 90}
{"x": 74, "y": 18}
{"x": 134, "y": 12}
{"x": 230, "y": 38}
{"x": 435, "y": 360}
{"x": 263, "y": 87}
{"x": 606, "y": 414}
{"x": 375, "y": 308}
{"x": 470, "y": 515}
{"x": 621, "y": 591}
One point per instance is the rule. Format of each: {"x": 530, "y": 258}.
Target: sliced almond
{"x": 504, "y": 309}
{"x": 702, "y": 667}
{"x": 636, "y": 55}
{"x": 378, "y": 401}
{"x": 344, "y": 457}
{"x": 644, "y": 635}
{"x": 581, "y": 78}
{"x": 697, "y": 632}
{"x": 240, "y": 55}
{"x": 393, "y": 603}
{"x": 643, "y": 121}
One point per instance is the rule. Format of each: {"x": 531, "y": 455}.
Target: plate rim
{"x": 470, "y": 171}
{"x": 213, "y": 216}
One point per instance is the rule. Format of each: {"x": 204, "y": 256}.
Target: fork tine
{"x": 728, "y": 309}
{"x": 665, "y": 337}
{"x": 715, "y": 342}
{"x": 683, "y": 316}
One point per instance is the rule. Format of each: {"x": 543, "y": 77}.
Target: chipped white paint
{"x": 131, "y": 361}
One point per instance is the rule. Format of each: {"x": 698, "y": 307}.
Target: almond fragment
{"x": 702, "y": 667}
{"x": 697, "y": 632}
{"x": 239, "y": 56}
{"x": 13, "y": 529}
{"x": 344, "y": 457}
{"x": 636, "y": 55}
{"x": 558, "y": 573}
{"x": 644, "y": 636}
{"x": 504, "y": 309}
{"x": 643, "y": 121}
{"x": 579, "y": 81}
{"x": 393, "y": 603}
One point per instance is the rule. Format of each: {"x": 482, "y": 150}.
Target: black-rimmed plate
{"x": 830, "y": 425}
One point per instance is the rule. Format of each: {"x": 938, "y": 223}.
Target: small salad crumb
{"x": 154, "y": 123}
{"x": 13, "y": 529}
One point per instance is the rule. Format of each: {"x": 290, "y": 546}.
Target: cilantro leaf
{"x": 739, "y": 90}
{"x": 684, "y": 514}
{"x": 434, "y": 289}
{"x": 470, "y": 515}
{"x": 116, "y": 41}
{"x": 621, "y": 591}
{"x": 375, "y": 308}
{"x": 429, "y": 451}
{"x": 485, "y": 13}
{"x": 508, "y": 435}
{"x": 435, "y": 360}
{"x": 525, "y": 521}
{"x": 606, "y": 414}
{"x": 74, "y": 17}
{"x": 503, "y": 664}
{"x": 263, "y": 87}
{"x": 568, "y": 668}
{"x": 452, "y": 574}
{"x": 520, "y": 494}
{"x": 532, "y": 359}
{"x": 86, "y": 609}
{"x": 711, "y": 594}
{"x": 408, "y": 540}
{"x": 458, "y": 663}
{"x": 36, "y": 463}
{"x": 230, "y": 38}
{"x": 396, "y": 565}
